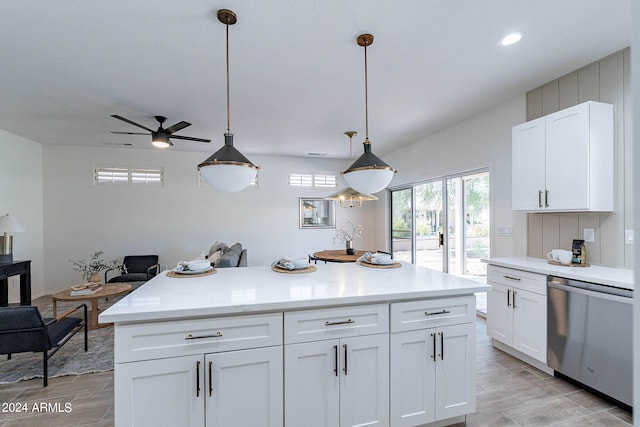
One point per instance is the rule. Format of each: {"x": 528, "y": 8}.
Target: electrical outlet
{"x": 504, "y": 231}
{"x": 589, "y": 235}
{"x": 628, "y": 237}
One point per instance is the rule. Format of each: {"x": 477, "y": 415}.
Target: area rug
{"x": 71, "y": 359}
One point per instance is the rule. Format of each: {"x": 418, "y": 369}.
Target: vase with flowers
{"x": 91, "y": 268}
{"x": 347, "y": 232}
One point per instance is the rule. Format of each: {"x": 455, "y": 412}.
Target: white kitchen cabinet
{"x": 339, "y": 382}
{"x": 244, "y": 388}
{"x": 432, "y": 368}
{"x": 191, "y": 390}
{"x": 160, "y": 392}
{"x": 517, "y": 310}
{"x": 200, "y": 368}
{"x": 563, "y": 162}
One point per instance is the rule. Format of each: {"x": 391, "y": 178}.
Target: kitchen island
{"x": 343, "y": 345}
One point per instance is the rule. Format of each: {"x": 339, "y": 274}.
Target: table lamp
{"x": 8, "y": 225}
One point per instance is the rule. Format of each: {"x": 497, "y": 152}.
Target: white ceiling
{"x": 297, "y": 74}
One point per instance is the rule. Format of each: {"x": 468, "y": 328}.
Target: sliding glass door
{"x": 443, "y": 224}
{"x": 402, "y": 225}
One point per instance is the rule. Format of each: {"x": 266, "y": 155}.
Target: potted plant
{"x": 91, "y": 269}
{"x": 346, "y": 235}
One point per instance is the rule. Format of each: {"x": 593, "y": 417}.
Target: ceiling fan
{"x": 160, "y": 138}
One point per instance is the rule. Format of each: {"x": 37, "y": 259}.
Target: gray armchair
{"x": 22, "y": 329}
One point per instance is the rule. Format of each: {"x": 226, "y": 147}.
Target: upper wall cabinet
{"x": 563, "y": 162}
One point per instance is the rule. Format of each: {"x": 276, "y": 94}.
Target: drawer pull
{"x": 199, "y": 337}
{"x": 512, "y": 278}
{"x": 441, "y": 345}
{"x": 335, "y": 360}
{"x": 514, "y": 299}
{"x": 210, "y": 379}
{"x": 508, "y": 297}
{"x": 433, "y": 355}
{"x": 345, "y": 358}
{"x": 343, "y": 322}
{"x": 198, "y": 379}
{"x": 436, "y": 312}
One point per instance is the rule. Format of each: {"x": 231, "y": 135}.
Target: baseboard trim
{"x": 524, "y": 357}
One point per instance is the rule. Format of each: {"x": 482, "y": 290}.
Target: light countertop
{"x": 617, "y": 277}
{"x": 259, "y": 289}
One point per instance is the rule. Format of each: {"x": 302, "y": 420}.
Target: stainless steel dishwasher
{"x": 589, "y": 335}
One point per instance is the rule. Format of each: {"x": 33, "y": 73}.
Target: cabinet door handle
{"x": 210, "y": 381}
{"x": 546, "y": 198}
{"x": 441, "y": 345}
{"x": 539, "y": 198}
{"x": 433, "y": 355}
{"x": 508, "y": 297}
{"x": 343, "y": 322}
{"x": 335, "y": 360}
{"x": 345, "y": 358}
{"x": 433, "y": 313}
{"x": 198, "y": 378}
{"x": 514, "y": 298}
{"x": 199, "y": 337}
{"x": 517, "y": 279}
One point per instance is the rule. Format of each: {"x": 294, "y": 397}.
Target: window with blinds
{"x": 312, "y": 180}
{"x": 120, "y": 175}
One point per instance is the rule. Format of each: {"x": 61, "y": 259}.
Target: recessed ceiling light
{"x": 510, "y": 39}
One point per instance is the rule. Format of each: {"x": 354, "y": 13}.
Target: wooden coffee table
{"x": 107, "y": 290}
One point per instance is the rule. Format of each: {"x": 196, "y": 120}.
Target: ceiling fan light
{"x": 160, "y": 140}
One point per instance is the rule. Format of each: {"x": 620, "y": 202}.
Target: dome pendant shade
{"x": 227, "y": 169}
{"x": 368, "y": 174}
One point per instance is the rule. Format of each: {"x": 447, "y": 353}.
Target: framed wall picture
{"x": 317, "y": 213}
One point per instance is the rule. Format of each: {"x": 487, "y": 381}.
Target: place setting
{"x": 194, "y": 268}
{"x": 289, "y": 265}
{"x": 378, "y": 260}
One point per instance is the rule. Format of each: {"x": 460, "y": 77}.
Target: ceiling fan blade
{"x": 115, "y": 116}
{"x": 177, "y": 127}
{"x": 130, "y": 133}
{"x": 188, "y": 138}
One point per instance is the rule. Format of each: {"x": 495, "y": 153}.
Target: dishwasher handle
{"x": 590, "y": 289}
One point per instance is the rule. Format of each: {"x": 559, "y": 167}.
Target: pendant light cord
{"x": 228, "y": 103}
{"x": 366, "y": 98}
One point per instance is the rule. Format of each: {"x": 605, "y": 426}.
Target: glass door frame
{"x": 445, "y": 209}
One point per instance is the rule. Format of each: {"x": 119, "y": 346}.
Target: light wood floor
{"x": 509, "y": 393}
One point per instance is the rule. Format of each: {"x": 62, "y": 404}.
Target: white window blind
{"x": 312, "y": 180}
{"x": 324, "y": 181}
{"x": 120, "y": 175}
{"x": 146, "y": 176}
{"x": 111, "y": 175}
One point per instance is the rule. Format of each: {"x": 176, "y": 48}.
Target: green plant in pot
{"x": 91, "y": 268}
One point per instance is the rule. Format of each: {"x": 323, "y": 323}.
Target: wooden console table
{"x": 21, "y": 268}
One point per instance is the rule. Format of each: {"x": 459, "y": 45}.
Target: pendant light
{"x": 348, "y": 197}
{"x": 368, "y": 174}
{"x": 227, "y": 169}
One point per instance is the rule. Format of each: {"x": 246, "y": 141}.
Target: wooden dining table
{"x": 338, "y": 255}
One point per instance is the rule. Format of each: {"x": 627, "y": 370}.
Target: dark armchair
{"x": 138, "y": 268}
{"x": 22, "y": 329}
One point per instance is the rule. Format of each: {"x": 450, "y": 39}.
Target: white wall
{"x": 21, "y": 197}
{"x": 479, "y": 142}
{"x": 180, "y": 219}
